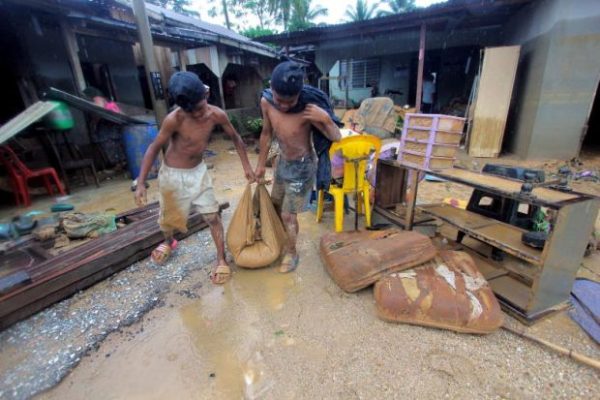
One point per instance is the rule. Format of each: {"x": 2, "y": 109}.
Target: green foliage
{"x": 397, "y": 7}
{"x": 234, "y": 121}
{"x": 399, "y": 123}
{"x": 303, "y": 15}
{"x": 236, "y": 12}
{"x": 255, "y": 32}
{"x": 254, "y": 126}
{"x": 361, "y": 11}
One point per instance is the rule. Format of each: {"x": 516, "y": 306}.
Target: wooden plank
{"x": 493, "y": 100}
{"x": 66, "y": 286}
{"x": 85, "y": 265}
{"x": 498, "y": 234}
{"x": 506, "y": 187}
{"x": 391, "y": 185}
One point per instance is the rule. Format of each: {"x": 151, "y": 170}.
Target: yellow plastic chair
{"x": 356, "y": 151}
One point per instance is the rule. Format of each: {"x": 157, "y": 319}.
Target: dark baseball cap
{"x": 287, "y": 79}
{"x": 187, "y": 90}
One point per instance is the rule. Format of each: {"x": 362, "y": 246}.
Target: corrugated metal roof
{"x": 472, "y": 8}
{"x": 31, "y": 115}
{"x": 205, "y": 26}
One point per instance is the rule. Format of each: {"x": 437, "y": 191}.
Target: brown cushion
{"x": 448, "y": 292}
{"x": 358, "y": 259}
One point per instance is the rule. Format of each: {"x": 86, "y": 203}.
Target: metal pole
{"x": 420, "y": 73}
{"x": 141, "y": 18}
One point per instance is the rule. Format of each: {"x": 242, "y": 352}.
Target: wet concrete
{"x": 273, "y": 336}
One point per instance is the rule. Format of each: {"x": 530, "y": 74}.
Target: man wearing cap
{"x": 183, "y": 179}
{"x": 292, "y": 111}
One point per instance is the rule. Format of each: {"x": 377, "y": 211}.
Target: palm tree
{"x": 282, "y": 9}
{"x": 396, "y": 7}
{"x": 361, "y": 12}
{"x": 302, "y": 15}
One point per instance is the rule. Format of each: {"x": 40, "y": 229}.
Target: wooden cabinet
{"x": 544, "y": 283}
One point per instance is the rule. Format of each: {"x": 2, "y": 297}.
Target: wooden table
{"x": 529, "y": 293}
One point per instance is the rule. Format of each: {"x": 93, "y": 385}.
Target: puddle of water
{"x": 209, "y": 349}
{"x": 225, "y": 327}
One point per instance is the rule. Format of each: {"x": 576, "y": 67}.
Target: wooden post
{"x": 420, "y": 73}
{"x": 182, "y": 60}
{"x": 412, "y": 202}
{"x": 72, "y": 53}
{"x": 147, "y": 46}
{"x": 221, "y": 91}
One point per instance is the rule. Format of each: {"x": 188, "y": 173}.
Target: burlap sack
{"x": 358, "y": 259}
{"x": 448, "y": 292}
{"x": 255, "y": 236}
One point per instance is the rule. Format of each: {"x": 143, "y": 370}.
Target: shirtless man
{"x": 297, "y": 167}
{"x": 183, "y": 180}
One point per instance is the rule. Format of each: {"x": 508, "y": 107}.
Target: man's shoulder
{"x": 174, "y": 118}
{"x": 216, "y": 112}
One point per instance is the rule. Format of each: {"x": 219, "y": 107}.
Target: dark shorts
{"x": 294, "y": 180}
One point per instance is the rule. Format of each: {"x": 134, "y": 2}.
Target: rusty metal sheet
{"x": 90, "y": 107}
{"x": 358, "y": 259}
{"x": 448, "y": 292}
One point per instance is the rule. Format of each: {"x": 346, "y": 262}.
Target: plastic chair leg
{"x": 24, "y": 193}
{"x": 48, "y": 185}
{"x": 339, "y": 211}
{"x": 320, "y": 200}
{"x": 358, "y": 205}
{"x": 365, "y": 195}
{"x": 58, "y": 185}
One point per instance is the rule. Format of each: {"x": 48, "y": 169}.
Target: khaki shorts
{"x": 179, "y": 189}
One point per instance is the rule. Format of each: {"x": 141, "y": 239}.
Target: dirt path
{"x": 272, "y": 336}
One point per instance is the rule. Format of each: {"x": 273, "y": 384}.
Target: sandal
{"x": 224, "y": 271}
{"x": 162, "y": 253}
{"x": 289, "y": 264}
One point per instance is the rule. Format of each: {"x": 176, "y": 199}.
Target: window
{"x": 359, "y": 74}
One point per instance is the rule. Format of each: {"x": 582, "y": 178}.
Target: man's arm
{"x": 322, "y": 121}
{"x": 265, "y": 141}
{"x": 164, "y": 135}
{"x": 223, "y": 120}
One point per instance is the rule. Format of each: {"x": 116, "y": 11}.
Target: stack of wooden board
{"x": 40, "y": 279}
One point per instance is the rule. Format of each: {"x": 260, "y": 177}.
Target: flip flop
{"x": 289, "y": 264}
{"x": 164, "y": 249}
{"x": 221, "y": 270}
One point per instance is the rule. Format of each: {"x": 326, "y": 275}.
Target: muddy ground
{"x": 154, "y": 332}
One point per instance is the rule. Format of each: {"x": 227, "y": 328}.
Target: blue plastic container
{"x": 136, "y": 139}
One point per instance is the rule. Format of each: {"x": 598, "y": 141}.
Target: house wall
{"x": 354, "y": 95}
{"x": 121, "y": 62}
{"x": 556, "y": 79}
{"x": 394, "y": 43}
{"x": 246, "y": 93}
{"x": 400, "y": 49}
{"x": 46, "y": 63}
